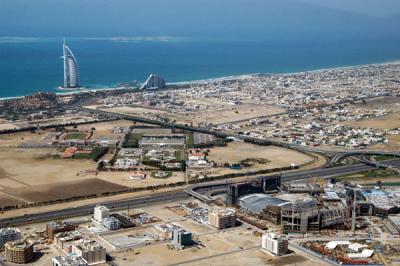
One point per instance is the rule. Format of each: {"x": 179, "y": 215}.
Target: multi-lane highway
{"x": 155, "y": 198}
{"x": 200, "y": 191}
{"x": 334, "y": 171}
{"x": 163, "y": 197}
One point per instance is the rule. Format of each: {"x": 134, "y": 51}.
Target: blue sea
{"x": 31, "y": 65}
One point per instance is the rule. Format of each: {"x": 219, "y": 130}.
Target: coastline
{"x": 59, "y": 91}
{"x": 240, "y": 76}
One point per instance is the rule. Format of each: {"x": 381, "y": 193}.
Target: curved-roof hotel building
{"x": 71, "y": 74}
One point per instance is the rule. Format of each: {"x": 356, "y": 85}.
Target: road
{"x": 156, "y": 198}
{"x": 163, "y": 197}
{"x": 334, "y": 171}
{"x": 201, "y": 190}
{"x": 215, "y": 255}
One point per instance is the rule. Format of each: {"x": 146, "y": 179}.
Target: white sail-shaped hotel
{"x": 71, "y": 74}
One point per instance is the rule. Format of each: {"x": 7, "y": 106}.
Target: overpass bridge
{"x": 202, "y": 191}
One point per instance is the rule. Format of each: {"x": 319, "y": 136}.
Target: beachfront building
{"x": 153, "y": 82}
{"x": 71, "y": 74}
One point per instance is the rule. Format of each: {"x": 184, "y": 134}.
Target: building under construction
{"x": 296, "y": 212}
{"x": 301, "y": 207}
{"x": 301, "y": 215}
{"x": 263, "y": 184}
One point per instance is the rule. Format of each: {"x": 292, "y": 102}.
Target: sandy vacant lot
{"x": 234, "y": 247}
{"x": 390, "y": 121}
{"x": 30, "y": 175}
{"x": 122, "y": 178}
{"x": 34, "y": 167}
{"x": 227, "y": 114}
{"x": 26, "y": 173}
{"x": 216, "y": 116}
{"x": 5, "y": 124}
{"x": 394, "y": 144}
{"x": 104, "y": 128}
{"x": 214, "y": 243}
{"x": 139, "y": 111}
{"x": 255, "y": 257}
{"x": 234, "y": 152}
{"x": 16, "y": 139}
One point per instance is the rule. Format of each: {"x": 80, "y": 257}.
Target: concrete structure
{"x": 393, "y": 224}
{"x": 9, "y": 234}
{"x": 181, "y": 238}
{"x": 65, "y": 240}
{"x": 71, "y": 74}
{"x": 157, "y": 141}
{"x": 55, "y": 227}
{"x": 167, "y": 230}
{"x": 236, "y": 190}
{"x": 303, "y": 188}
{"x": 101, "y": 212}
{"x": 111, "y": 223}
{"x": 71, "y": 259}
{"x": 222, "y": 218}
{"x": 153, "y": 82}
{"x": 90, "y": 251}
{"x": 332, "y": 245}
{"x": 274, "y": 243}
{"x": 384, "y": 202}
{"x": 20, "y": 251}
{"x": 270, "y": 183}
{"x": 301, "y": 214}
{"x": 256, "y": 203}
{"x": 366, "y": 253}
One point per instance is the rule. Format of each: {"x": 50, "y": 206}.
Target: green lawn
{"x": 75, "y": 135}
{"x": 384, "y": 158}
{"x": 95, "y": 155}
{"x": 132, "y": 140}
{"x": 378, "y": 173}
{"x": 190, "y": 140}
{"x": 389, "y": 184}
{"x": 179, "y": 155}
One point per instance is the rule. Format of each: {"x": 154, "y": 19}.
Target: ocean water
{"x": 29, "y": 66}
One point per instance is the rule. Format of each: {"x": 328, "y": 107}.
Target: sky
{"x": 373, "y": 8}
{"x": 325, "y": 20}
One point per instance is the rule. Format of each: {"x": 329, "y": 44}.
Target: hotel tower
{"x": 71, "y": 74}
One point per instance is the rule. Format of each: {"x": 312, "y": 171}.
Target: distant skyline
{"x": 286, "y": 20}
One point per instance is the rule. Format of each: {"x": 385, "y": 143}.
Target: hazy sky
{"x": 374, "y": 8}
{"x": 242, "y": 19}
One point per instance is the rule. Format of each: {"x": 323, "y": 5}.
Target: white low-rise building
{"x": 72, "y": 259}
{"x": 111, "y": 223}
{"x": 274, "y": 243}
{"x": 101, "y": 212}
